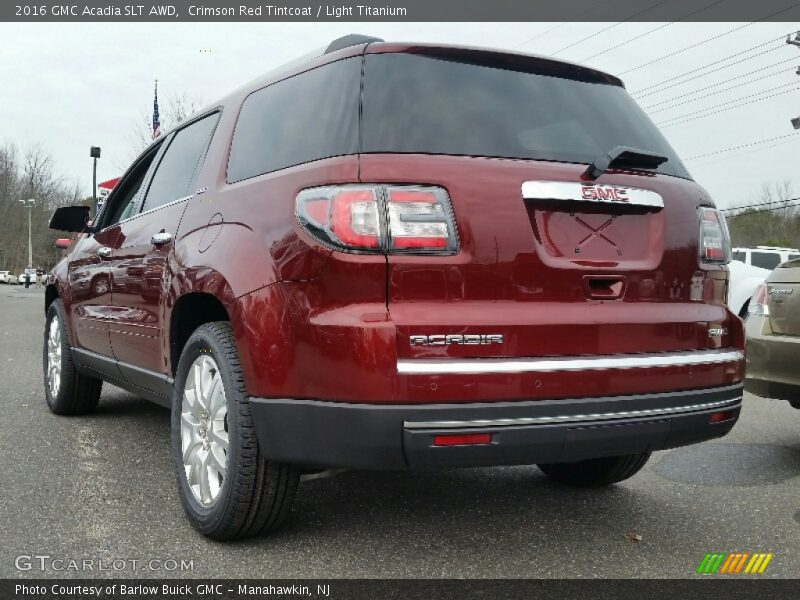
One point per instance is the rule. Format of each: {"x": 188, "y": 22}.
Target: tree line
{"x": 771, "y": 219}
{"x": 24, "y": 174}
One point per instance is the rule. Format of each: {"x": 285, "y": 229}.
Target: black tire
{"x": 596, "y": 472}
{"x": 77, "y": 394}
{"x": 255, "y": 495}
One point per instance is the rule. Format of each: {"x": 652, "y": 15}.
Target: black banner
{"x": 401, "y": 10}
{"x": 421, "y": 589}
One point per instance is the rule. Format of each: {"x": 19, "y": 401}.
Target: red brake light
{"x": 715, "y": 245}
{"x": 377, "y": 218}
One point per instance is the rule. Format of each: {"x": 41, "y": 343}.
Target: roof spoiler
{"x": 353, "y": 39}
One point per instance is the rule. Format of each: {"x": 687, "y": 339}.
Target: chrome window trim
{"x": 623, "y": 414}
{"x": 480, "y": 366}
{"x": 573, "y": 191}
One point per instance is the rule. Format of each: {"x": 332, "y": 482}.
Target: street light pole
{"x": 29, "y": 205}
{"x": 94, "y": 152}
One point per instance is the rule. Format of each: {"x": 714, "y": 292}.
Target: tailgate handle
{"x": 604, "y": 287}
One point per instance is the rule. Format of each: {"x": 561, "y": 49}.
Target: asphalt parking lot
{"x": 101, "y": 487}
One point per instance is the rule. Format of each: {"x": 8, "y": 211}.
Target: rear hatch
{"x": 783, "y": 288}
{"x": 555, "y": 262}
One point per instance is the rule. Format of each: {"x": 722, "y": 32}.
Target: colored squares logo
{"x": 733, "y": 563}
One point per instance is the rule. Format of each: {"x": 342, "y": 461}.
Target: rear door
{"x": 141, "y": 258}
{"x": 90, "y": 261}
{"x": 554, "y": 262}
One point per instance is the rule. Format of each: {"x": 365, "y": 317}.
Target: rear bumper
{"x": 330, "y": 434}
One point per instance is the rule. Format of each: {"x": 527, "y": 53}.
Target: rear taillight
{"x": 715, "y": 244}
{"x": 759, "y": 303}
{"x": 379, "y": 218}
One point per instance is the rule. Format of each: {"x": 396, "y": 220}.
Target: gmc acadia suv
{"x": 394, "y": 256}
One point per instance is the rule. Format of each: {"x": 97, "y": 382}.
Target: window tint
{"x": 122, "y": 204}
{"x": 309, "y": 116}
{"x": 765, "y": 260}
{"x": 176, "y": 171}
{"x": 436, "y": 105}
{"x": 739, "y": 255}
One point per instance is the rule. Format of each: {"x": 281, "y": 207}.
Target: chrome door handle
{"x": 161, "y": 238}
{"x": 104, "y": 251}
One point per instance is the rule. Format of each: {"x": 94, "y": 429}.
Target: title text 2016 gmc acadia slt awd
{"x": 394, "y": 256}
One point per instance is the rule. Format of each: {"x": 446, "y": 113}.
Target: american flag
{"x": 156, "y": 121}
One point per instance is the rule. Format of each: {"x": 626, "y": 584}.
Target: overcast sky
{"x": 69, "y": 86}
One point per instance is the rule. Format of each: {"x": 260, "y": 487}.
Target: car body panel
{"x": 314, "y": 323}
{"x": 773, "y": 340}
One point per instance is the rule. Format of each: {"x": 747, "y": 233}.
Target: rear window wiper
{"x": 624, "y": 156}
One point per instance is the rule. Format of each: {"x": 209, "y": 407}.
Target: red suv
{"x": 394, "y": 256}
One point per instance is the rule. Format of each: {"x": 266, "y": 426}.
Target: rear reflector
{"x": 379, "y": 218}
{"x": 472, "y": 439}
{"x": 719, "y": 417}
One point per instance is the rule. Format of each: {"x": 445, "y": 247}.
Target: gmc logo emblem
{"x": 596, "y": 192}
{"x": 476, "y": 339}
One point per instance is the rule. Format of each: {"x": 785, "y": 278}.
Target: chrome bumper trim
{"x": 478, "y": 366}
{"x": 629, "y": 414}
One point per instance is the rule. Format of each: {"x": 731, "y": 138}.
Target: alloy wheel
{"x": 204, "y": 430}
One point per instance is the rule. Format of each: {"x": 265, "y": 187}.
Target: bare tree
{"x": 177, "y": 108}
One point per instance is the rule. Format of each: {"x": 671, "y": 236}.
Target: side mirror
{"x": 63, "y": 243}
{"x": 70, "y": 218}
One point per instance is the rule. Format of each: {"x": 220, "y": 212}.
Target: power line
{"x": 713, "y": 85}
{"x": 746, "y": 206}
{"x": 588, "y": 37}
{"x": 716, "y": 37}
{"x": 633, "y": 39}
{"x": 659, "y": 28}
{"x": 739, "y": 147}
{"x": 682, "y": 50}
{"x": 763, "y": 210}
{"x": 639, "y": 93}
{"x": 669, "y": 122}
{"x": 748, "y": 153}
{"x": 728, "y": 89}
{"x": 560, "y": 25}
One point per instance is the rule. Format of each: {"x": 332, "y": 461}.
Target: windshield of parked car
{"x": 416, "y": 103}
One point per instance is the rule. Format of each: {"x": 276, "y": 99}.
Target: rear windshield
{"x": 432, "y": 105}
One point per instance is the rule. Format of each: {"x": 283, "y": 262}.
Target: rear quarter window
{"x": 765, "y": 260}
{"x": 307, "y": 117}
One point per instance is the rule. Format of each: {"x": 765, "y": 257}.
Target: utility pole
{"x": 795, "y": 42}
{"x": 29, "y": 205}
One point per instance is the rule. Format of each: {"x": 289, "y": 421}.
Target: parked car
{"x": 5, "y": 276}
{"x": 29, "y": 272}
{"x": 765, "y": 257}
{"x": 402, "y": 256}
{"x": 743, "y": 281}
{"x": 773, "y": 336}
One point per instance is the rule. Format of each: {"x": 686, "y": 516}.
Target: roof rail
{"x": 353, "y": 39}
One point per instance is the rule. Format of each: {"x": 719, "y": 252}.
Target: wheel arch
{"x": 190, "y": 311}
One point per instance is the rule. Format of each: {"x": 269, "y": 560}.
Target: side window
{"x": 125, "y": 198}
{"x": 307, "y": 117}
{"x": 794, "y": 256}
{"x": 739, "y": 255}
{"x": 182, "y": 159}
{"x": 765, "y": 260}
